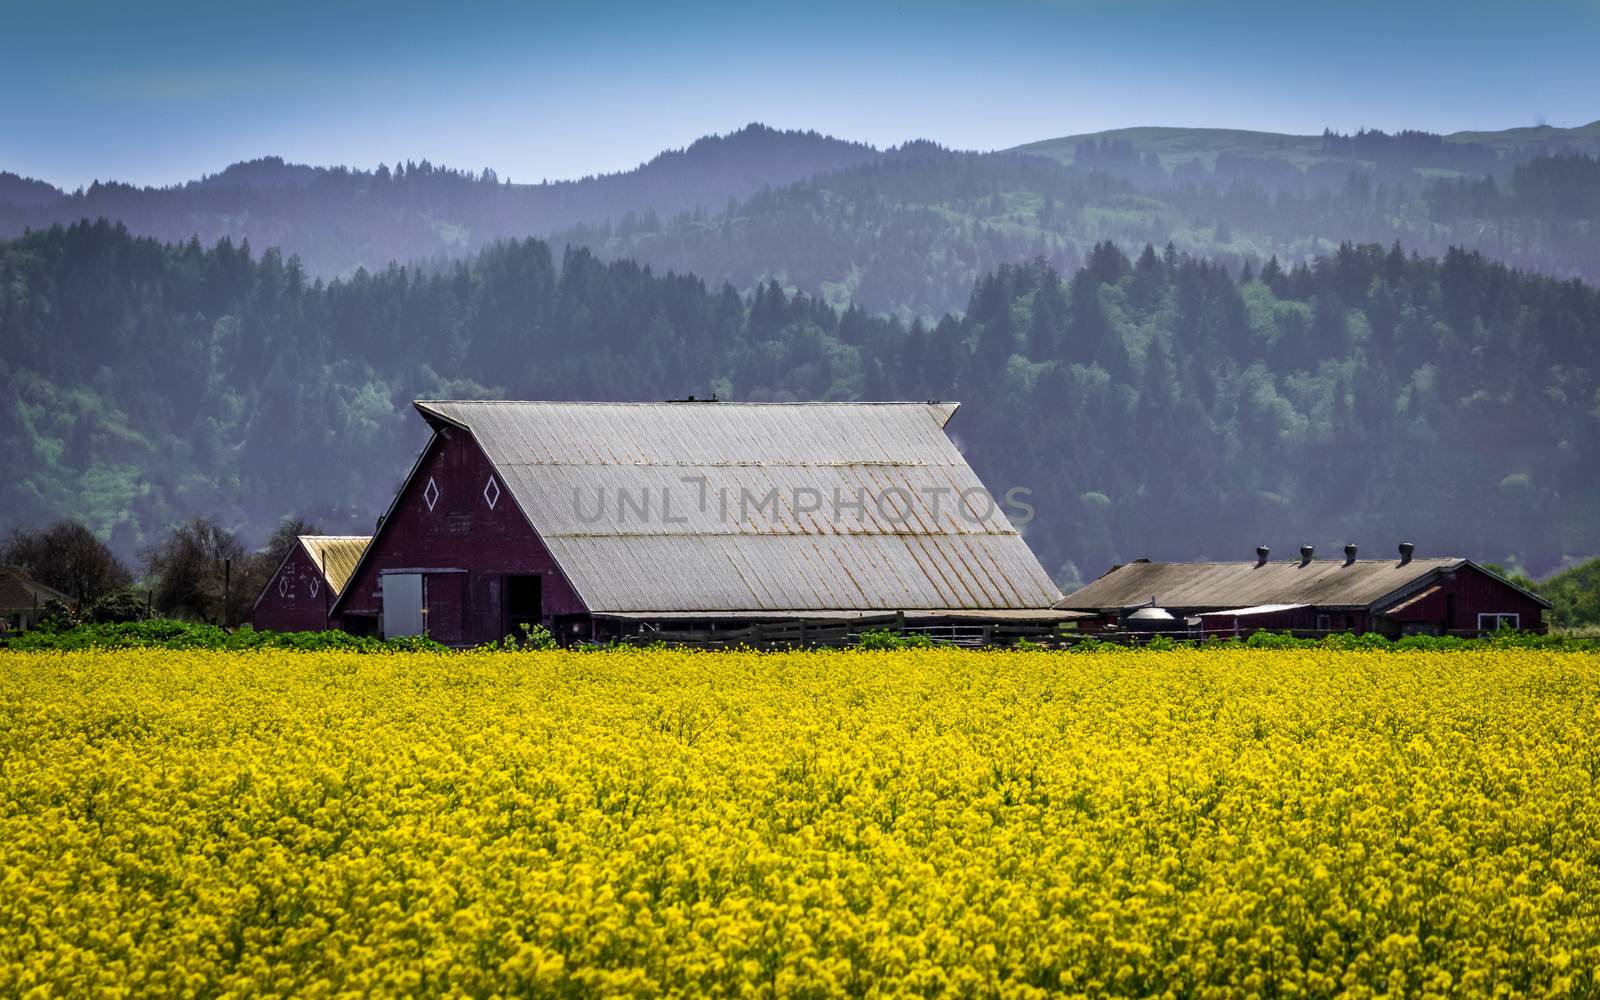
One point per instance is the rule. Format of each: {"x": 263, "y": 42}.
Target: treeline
{"x": 1160, "y": 405}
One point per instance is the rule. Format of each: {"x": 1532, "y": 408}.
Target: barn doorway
{"x": 523, "y": 604}
{"x": 403, "y": 605}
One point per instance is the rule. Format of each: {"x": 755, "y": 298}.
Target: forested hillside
{"x": 1157, "y": 406}
{"x": 911, "y": 231}
{"x": 337, "y": 219}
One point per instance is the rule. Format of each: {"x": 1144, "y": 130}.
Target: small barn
{"x": 22, "y": 599}
{"x": 301, "y": 591}
{"x": 604, "y": 519}
{"x": 1395, "y": 597}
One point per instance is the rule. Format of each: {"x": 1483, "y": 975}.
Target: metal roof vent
{"x": 1307, "y": 552}
{"x": 1151, "y": 615}
{"x": 1406, "y": 551}
{"x": 1261, "y": 555}
{"x": 1350, "y": 553}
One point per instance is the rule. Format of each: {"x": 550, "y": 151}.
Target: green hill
{"x": 1176, "y": 145}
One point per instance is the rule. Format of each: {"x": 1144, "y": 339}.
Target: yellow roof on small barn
{"x": 337, "y": 555}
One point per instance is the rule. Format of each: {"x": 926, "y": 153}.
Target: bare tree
{"x": 190, "y": 569}
{"x": 68, "y": 557}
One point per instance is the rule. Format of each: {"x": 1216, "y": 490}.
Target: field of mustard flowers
{"x": 934, "y": 822}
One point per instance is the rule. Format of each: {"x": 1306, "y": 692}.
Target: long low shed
{"x": 1404, "y": 596}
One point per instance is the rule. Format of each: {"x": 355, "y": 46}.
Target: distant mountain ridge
{"x": 908, "y": 229}
{"x": 336, "y": 219}
{"x": 1173, "y": 144}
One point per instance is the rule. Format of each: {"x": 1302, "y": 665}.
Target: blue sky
{"x": 156, "y": 93}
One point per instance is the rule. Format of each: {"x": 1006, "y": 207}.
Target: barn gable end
{"x": 456, "y": 526}
{"x": 302, "y": 590}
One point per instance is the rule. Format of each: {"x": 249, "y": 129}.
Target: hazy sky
{"x": 156, "y": 93}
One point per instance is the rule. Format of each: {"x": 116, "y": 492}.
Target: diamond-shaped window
{"x": 491, "y": 492}
{"x": 316, "y": 585}
{"x": 283, "y": 585}
{"x": 430, "y": 493}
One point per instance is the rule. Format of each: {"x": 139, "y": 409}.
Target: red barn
{"x": 596, "y": 519}
{"x": 1404, "y": 596}
{"x": 301, "y": 591}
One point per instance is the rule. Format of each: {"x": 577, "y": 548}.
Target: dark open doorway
{"x": 523, "y": 604}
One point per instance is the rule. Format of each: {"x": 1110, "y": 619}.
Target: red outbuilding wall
{"x": 462, "y": 543}
{"x": 1460, "y": 599}
{"x": 296, "y": 599}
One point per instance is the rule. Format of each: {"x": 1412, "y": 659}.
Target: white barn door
{"x": 402, "y": 604}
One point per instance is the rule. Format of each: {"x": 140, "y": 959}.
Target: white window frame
{"x": 1497, "y": 619}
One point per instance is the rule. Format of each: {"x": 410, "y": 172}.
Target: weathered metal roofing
{"x": 337, "y": 555}
{"x": 720, "y": 507}
{"x": 1032, "y": 615}
{"x": 1220, "y": 586}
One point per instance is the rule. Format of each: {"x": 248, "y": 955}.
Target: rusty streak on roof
{"x": 722, "y": 507}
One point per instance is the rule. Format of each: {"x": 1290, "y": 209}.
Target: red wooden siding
{"x": 1455, "y": 606}
{"x": 463, "y": 546}
{"x": 296, "y": 598}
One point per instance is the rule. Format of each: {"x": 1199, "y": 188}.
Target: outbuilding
{"x": 1395, "y": 597}
{"x": 23, "y": 599}
{"x": 603, "y": 519}
{"x": 301, "y": 591}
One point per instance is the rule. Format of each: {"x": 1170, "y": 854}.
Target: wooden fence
{"x": 833, "y": 632}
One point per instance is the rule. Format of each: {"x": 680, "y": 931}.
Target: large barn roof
{"x": 336, "y": 555}
{"x": 1213, "y": 585}
{"x": 719, "y": 544}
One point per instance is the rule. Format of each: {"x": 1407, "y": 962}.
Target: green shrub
{"x": 883, "y": 638}
{"x": 162, "y": 633}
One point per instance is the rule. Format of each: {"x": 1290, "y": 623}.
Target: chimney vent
{"x": 1350, "y": 553}
{"x": 1406, "y": 549}
{"x": 1261, "y": 555}
{"x": 1306, "y": 553}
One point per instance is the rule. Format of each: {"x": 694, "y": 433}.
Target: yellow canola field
{"x": 929, "y": 823}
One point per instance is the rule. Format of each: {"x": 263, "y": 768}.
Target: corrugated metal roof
{"x": 717, "y": 507}
{"x": 1037, "y": 615}
{"x": 1328, "y": 583}
{"x": 337, "y": 555}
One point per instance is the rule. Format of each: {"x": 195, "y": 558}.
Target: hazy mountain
{"x": 25, "y": 191}
{"x": 912, "y": 231}
{"x": 1174, "y": 156}
{"x": 336, "y": 219}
